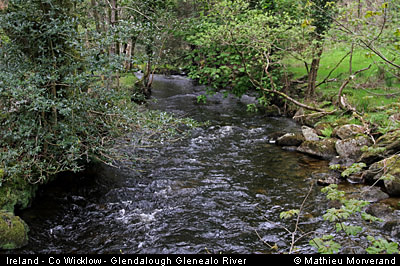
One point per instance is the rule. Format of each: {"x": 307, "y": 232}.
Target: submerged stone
{"x": 13, "y": 231}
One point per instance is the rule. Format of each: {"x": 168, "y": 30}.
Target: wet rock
{"x": 390, "y": 167}
{"x": 309, "y": 133}
{"x": 393, "y": 227}
{"x": 13, "y": 231}
{"x": 324, "y": 149}
{"x": 350, "y": 149}
{"x": 326, "y": 179}
{"x": 348, "y": 131}
{"x": 373, "y": 194}
{"x": 391, "y": 141}
{"x": 274, "y": 136}
{"x": 390, "y": 217}
{"x": 381, "y": 210}
{"x": 290, "y": 139}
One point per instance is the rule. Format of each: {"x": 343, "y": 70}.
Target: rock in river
{"x": 324, "y": 149}
{"x": 290, "y": 139}
{"x": 13, "y": 231}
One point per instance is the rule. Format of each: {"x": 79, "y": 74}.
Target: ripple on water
{"x": 213, "y": 191}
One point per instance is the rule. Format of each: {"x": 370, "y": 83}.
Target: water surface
{"x": 219, "y": 190}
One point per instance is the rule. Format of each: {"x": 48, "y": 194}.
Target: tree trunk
{"x": 312, "y": 75}
{"x": 113, "y": 22}
{"x": 95, "y": 14}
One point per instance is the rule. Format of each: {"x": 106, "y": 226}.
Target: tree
{"x": 320, "y": 14}
{"x": 239, "y": 47}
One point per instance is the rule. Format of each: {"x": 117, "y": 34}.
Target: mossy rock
{"x": 16, "y": 193}
{"x": 391, "y": 144}
{"x": 13, "y": 231}
{"x": 389, "y": 167}
{"x": 324, "y": 149}
{"x": 348, "y": 131}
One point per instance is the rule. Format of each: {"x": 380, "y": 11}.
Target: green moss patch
{"x": 13, "y": 231}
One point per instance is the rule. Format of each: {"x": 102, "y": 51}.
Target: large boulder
{"x": 13, "y": 231}
{"x": 388, "y": 171}
{"x": 348, "y": 131}
{"x": 324, "y": 148}
{"x": 350, "y": 149}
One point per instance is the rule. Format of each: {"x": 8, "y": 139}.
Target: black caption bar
{"x": 164, "y": 260}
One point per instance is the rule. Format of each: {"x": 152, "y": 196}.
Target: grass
{"x": 374, "y": 93}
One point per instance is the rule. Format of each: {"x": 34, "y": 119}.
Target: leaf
{"x": 331, "y": 215}
{"x": 325, "y": 245}
{"x": 370, "y": 218}
{"x": 348, "y": 229}
{"x": 397, "y": 32}
{"x": 369, "y": 14}
{"x": 289, "y": 214}
{"x": 373, "y": 250}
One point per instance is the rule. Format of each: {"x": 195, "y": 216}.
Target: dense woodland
{"x": 68, "y": 88}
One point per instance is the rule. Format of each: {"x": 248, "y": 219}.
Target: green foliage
{"x": 335, "y": 167}
{"x": 354, "y": 168}
{"x": 202, "y": 98}
{"x": 252, "y": 108}
{"x": 346, "y": 220}
{"x": 289, "y": 214}
{"x": 234, "y": 43}
{"x": 55, "y": 115}
{"x": 373, "y": 150}
{"x": 327, "y": 132}
{"x": 382, "y": 246}
{"x": 325, "y": 244}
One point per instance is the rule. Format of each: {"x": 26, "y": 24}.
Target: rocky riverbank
{"x": 355, "y": 157}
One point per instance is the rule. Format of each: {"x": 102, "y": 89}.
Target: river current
{"x": 219, "y": 190}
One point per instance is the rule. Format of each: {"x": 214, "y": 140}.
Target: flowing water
{"x": 219, "y": 190}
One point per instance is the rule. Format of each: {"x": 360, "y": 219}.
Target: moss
{"x": 16, "y": 193}
{"x": 324, "y": 149}
{"x": 390, "y": 165}
{"x": 13, "y": 231}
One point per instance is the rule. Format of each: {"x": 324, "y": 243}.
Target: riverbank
{"x": 145, "y": 127}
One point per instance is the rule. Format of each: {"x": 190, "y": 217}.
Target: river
{"x": 221, "y": 189}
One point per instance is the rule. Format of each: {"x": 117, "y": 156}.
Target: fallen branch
{"x": 287, "y": 97}
{"x": 314, "y": 114}
{"x": 342, "y": 102}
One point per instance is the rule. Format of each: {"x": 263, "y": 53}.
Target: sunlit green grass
{"x": 373, "y": 92}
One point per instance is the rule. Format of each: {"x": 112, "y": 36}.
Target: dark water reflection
{"x": 211, "y": 191}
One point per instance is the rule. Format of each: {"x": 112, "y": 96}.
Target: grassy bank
{"x": 374, "y": 93}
